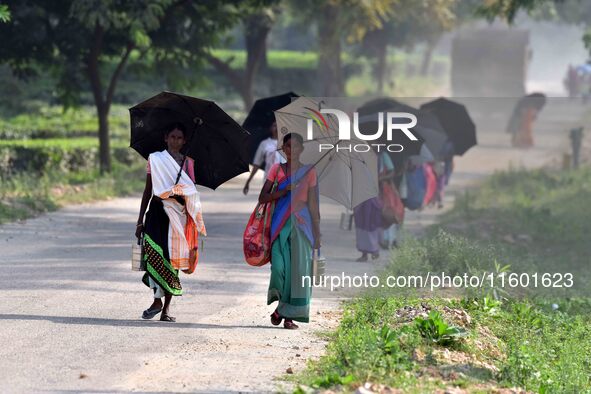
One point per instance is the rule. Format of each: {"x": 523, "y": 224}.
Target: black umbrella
{"x": 371, "y": 108}
{"x": 456, "y": 122}
{"x": 215, "y": 141}
{"x": 261, "y": 117}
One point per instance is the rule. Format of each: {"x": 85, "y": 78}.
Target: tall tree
{"x": 256, "y": 25}
{"x": 88, "y": 43}
{"x": 576, "y": 12}
{"x": 340, "y": 21}
{"x": 415, "y": 21}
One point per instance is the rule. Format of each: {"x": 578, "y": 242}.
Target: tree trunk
{"x": 102, "y": 102}
{"x": 255, "y": 36}
{"x": 381, "y": 57}
{"x": 428, "y": 55}
{"x": 104, "y": 142}
{"x": 102, "y": 110}
{"x": 264, "y": 61}
{"x": 329, "y": 56}
{"x": 256, "y": 31}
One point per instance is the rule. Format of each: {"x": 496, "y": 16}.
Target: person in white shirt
{"x": 266, "y": 152}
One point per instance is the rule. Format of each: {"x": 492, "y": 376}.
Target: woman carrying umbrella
{"x": 173, "y": 222}
{"x": 295, "y": 231}
{"x": 520, "y": 124}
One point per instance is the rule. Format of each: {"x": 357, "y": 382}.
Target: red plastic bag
{"x": 392, "y": 206}
{"x": 431, "y": 184}
{"x": 257, "y": 236}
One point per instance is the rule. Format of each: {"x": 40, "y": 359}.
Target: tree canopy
{"x": 88, "y": 43}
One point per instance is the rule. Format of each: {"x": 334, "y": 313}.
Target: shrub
{"x": 37, "y": 157}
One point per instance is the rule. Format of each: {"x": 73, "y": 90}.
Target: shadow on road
{"x": 95, "y": 321}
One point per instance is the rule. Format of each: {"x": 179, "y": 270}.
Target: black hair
{"x": 295, "y": 136}
{"x": 536, "y": 100}
{"x": 176, "y": 125}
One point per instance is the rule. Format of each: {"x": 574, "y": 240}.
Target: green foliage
{"x": 40, "y": 156}
{"x": 547, "y": 351}
{"x": 540, "y": 344}
{"x": 276, "y": 58}
{"x": 4, "y": 13}
{"x": 436, "y": 330}
{"x": 486, "y": 304}
{"x": 441, "y": 252}
{"x": 533, "y": 219}
{"x": 55, "y": 122}
{"x": 26, "y": 195}
{"x": 533, "y": 346}
{"x": 367, "y": 346}
{"x": 508, "y": 9}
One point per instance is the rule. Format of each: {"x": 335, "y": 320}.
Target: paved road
{"x": 70, "y": 316}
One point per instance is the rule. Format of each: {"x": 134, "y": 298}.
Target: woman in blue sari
{"x": 295, "y": 232}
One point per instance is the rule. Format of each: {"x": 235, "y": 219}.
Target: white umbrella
{"x": 344, "y": 175}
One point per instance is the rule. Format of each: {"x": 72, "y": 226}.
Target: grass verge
{"x": 517, "y": 338}
{"x": 25, "y": 196}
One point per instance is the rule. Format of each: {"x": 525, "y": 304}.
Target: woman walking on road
{"x": 521, "y": 122}
{"x": 173, "y": 222}
{"x": 295, "y": 232}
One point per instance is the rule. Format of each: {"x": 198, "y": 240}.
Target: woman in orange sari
{"x": 521, "y": 123}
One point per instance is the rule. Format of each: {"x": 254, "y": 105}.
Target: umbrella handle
{"x": 181, "y": 170}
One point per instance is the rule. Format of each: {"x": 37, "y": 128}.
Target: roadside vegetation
{"x": 489, "y": 339}
{"x": 49, "y": 158}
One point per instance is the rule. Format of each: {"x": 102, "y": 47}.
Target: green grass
{"x": 275, "y": 58}
{"x": 521, "y": 344}
{"x": 539, "y": 219}
{"x": 78, "y": 142}
{"x": 25, "y": 196}
{"x": 539, "y": 340}
{"x": 54, "y": 122}
{"x": 403, "y": 79}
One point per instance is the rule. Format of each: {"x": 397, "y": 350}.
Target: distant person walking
{"x": 571, "y": 82}
{"x": 173, "y": 222}
{"x": 295, "y": 232}
{"x": 520, "y": 124}
{"x": 369, "y": 231}
{"x": 266, "y": 154}
{"x": 386, "y": 173}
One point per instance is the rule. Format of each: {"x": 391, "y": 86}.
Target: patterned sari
{"x": 172, "y": 226}
{"x": 291, "y": 245}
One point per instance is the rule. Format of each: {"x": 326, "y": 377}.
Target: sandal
{"x": 150, "y": 313}
{"x": 290, "y": 325}
{"x": 375, "y": 256}
{"x": 167, "y": 318}
{"x": 276, "y": 318}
